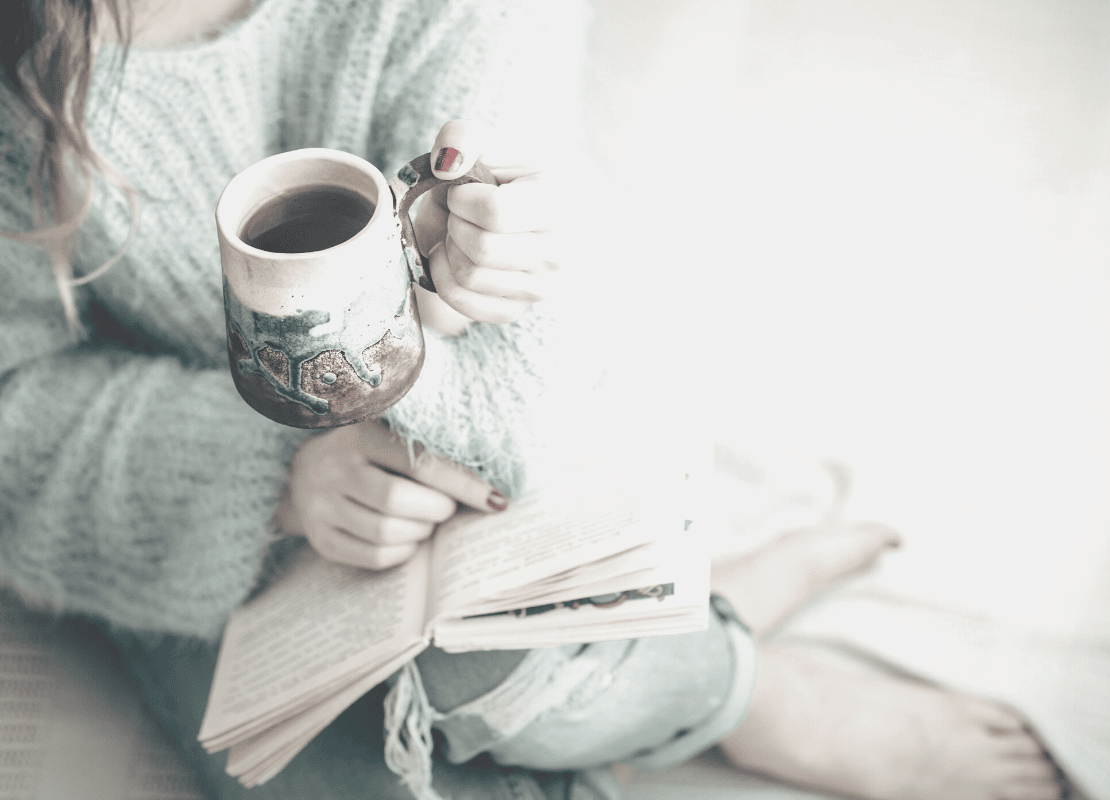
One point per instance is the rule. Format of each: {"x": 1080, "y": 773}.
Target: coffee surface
{"x": 307, "y": 219}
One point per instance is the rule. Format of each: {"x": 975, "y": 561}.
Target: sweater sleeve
{"x": 132, "y": 488}
{"x": 481, "y": 399}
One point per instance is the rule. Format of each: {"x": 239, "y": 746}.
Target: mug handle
{"x": 413, "y": 180}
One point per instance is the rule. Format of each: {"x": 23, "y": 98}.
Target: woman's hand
{"x": 356, "y": 496}
{"x": 493, "y": 250}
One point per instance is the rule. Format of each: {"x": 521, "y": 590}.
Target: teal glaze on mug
{"x": 332, "y": 336}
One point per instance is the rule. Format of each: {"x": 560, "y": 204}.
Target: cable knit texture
{"x": 136, "y": 485}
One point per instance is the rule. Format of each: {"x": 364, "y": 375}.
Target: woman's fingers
{"x": 343, "y": 529}
{"x": 397, "y": 496}
{"x": 515, "y": 228}
{"x": 526, "y": 200}
{"x": 458, "y": 145}
{"x": 361, "y": 496}
{"x": 379, "y": 528}
{"x": 430, "y": 220}
{"x": 523, "y": 286}
{"x": 391, "y": 451}
{"x": 530, "y": 251}
{"x": 338, "y": 545}
{"x": 476, "y": 305}
{"x": 529, "y": 203}
{"x": 471, "y": 141}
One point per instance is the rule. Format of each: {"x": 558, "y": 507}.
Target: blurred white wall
{"x": 879, "y": 230}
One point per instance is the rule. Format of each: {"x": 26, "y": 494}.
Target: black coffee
{"x": 307, "y": 219}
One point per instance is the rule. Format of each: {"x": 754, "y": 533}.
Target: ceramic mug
{"x": 319, "y": 261}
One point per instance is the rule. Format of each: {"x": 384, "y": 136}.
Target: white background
{"x": 879, "y": 231}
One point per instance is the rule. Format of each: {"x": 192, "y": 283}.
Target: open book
{"x": 586, "y": 562}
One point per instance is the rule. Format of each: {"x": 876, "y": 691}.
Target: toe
{"x": 843, "y": 551}
{"x": 1033, "y": 790}
{"x": 998, "y": 719}
{"x": 881, "y": 535}
{"x": 1018, "y": 744}
{"x": 1032, "y": 778}
{"x": 1036, "y": 769}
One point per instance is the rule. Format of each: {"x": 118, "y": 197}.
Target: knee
{"x": 452, "y": 679}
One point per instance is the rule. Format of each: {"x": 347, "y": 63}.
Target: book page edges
{"x": 343, "y": 595}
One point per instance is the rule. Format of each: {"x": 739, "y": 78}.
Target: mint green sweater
{"x": 135, "y": 485}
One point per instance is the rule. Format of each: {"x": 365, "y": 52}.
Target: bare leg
{"x": 866, "y": 735}
{"x": 856, "y": 732}
{"x": 768, "y": 585}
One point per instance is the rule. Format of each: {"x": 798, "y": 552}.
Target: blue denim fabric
{"x": 650, "y": 702}
{"x": 658, "y": 700}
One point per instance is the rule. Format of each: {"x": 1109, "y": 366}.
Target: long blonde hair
{"x": 47, "y": 48}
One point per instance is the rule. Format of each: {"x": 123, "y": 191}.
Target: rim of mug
{"x": 230, "y": 216}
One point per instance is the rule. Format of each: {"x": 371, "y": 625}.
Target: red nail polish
{"x": 497, "y": 501}
{"x": 448, "y": 160}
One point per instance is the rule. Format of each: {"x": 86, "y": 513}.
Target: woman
{"x": 139, "y": 490}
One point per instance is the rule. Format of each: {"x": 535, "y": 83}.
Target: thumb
{"x": 459, "y": 144}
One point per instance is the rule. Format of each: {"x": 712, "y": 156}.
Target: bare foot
{"x": 866, "y": 735}
{"x": 766, "y": 586}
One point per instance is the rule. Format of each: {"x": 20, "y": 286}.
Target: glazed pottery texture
{"x": 332, "y": 336}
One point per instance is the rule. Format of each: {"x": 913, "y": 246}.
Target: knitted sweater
{"x": 135, "y": 485}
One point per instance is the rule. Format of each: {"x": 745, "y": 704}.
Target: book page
{"x": 632, "y": 567}
{"x": 259, "y": 758}
{"x": 72, "y": 724}
{"x": 315, "y": 630}
{"x": 673, "y": 598}
{"x": 563, "y": 594}
{"x": 479, "y": 556}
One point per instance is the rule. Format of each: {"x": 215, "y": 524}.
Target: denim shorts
{"x": 650, "y": 703}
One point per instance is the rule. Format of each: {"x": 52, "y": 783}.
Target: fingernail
{"x": 448, "y": 160}
{"x": 497, "y": 501}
